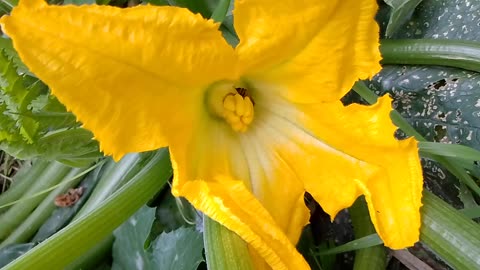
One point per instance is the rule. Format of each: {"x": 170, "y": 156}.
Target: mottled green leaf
{"x": 172, "y": 213}
{"x": 180, "y": 249}
{"x": 128, "y": 251}
{"x": 401, "y": 12}
{"x": 442, "y": 104}
{"x": 440, "y": 19}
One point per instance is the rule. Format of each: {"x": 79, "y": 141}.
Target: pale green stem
{"x": 23, "y": 182}
{"x": 224, "y": 249}
{"x": 42, "y": 212}
{"x": 82, "y": 234}
{"x": 371, "y": 258}
{"x": 220, "y": 11}
{"x": 52, "y": 175}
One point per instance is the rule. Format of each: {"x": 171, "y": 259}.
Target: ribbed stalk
{"x": 23, "y": 180}
{"x": 371, "y": 258}
{"x": 221, "y": 11}
{"x": 82, "y": 234}
{"x": 43, "y": 211}
{"x": 224, "y": 249}
{"x": 450, "y": 234}
{"x": 114, "y": 176}
{"x": 51, "y": 176}
{"x": 454, "y": 53}
{"x": 90, "y": 259}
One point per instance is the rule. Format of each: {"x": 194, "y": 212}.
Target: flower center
{"x": 233, "y": 104}
{"x": 238, "y": 110}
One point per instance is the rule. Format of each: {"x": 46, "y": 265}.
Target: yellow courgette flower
{"x": 250, "y": 128}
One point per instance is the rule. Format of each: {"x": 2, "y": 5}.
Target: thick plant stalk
{"x": 221, "y": 11}
{"x": 82, "y": 234}
{"x": 51, "y": 176}
{"x": 224, "y": 249}
{"x": 43, "y": 211}
{"x": 443, "y": 52}
{"x": 112, "y": 179}
{"x": 450, "y": 234}
{"x": 22, "y": 182}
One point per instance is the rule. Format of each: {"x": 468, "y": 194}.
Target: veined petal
{"x": 238, "y": 182}
{"x": 366, "y": 133}
{"x": 130, "y": 75}
{"x": 317, "y": 49}
{"x": 347, "y": 152}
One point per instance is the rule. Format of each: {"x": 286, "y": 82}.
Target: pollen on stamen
{"x": 238, "y": 110}
{"x": 232, "y": 104}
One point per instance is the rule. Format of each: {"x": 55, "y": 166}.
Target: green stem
{"x": 83, "y": 233}
{"x": 362, "y": 89}
{"x": 10, "y": 4}
{"x": 371, "y": 258}
{"x": 42, "y": 212}
{"x": 221, "y": 11}
{"x": 53, "y": 174}
{"x": 449, "y": 233}
{"x": 23, "y": 180}
{"x": 454, "y": 53}
{"x": 224, "y": 249}
{"x": 90, "y": 259}
{"x": 114, "y": 176}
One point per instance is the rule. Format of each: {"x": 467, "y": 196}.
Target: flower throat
{"x": 233, "y": 104}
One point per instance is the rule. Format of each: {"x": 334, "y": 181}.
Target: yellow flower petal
{"x": 241, "y": 183}
{"x": 347, "y": 152}
{"x": 392, "y": 176}
{"x": 127, "y": 74}
{"x": 317, "y": 49}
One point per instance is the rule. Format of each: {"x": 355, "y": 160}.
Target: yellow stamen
{"x": 239, "y": 105}
{"x": 238, "y": 111}
{"x": 234, "y": 105}
{"x": 229, "y": 103}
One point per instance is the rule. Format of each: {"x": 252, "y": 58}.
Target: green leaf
{"x": 444, "y": 19}
{"x": 178, "y": 249}
{"x": 7, "y": 46}
{"x": 441, "y": 104}
{"x": 181, "y": 249}
{"x": 172, "y": 213}
{"x": 402, "y": 11}
{"x": 128, "y": 249}
{"x": 33, "y": 123}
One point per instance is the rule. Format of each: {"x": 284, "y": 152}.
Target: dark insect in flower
{"x": 242, "y": 91}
